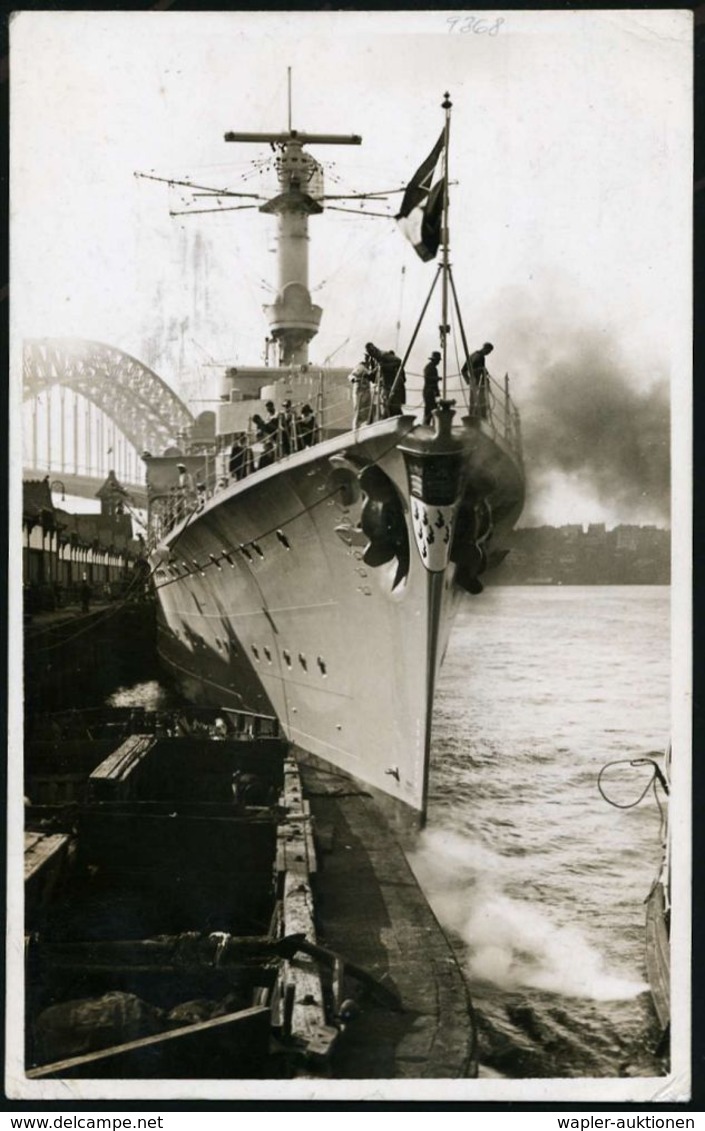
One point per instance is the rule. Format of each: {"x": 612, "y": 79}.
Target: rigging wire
{"x": 464, "y": 388}
{"x": 360, "y": 212}
{"x": 380, "y": 194}
{"x": 200, "y": 211}
{"x": 346, "y": 260}
{"x": 173, "y": 182}
{"x": 401, "y": 307}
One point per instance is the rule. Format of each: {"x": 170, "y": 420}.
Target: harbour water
{"x": 538, "y": 880}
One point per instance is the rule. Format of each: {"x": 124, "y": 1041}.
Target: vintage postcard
{"x": 350, "y": 556}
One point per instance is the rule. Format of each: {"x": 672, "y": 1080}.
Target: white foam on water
{"x": 512, "y": 943}
{"x": 516, "y": 945}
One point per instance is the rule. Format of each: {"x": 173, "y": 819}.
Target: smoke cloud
{"x": 593, "y": 415}
{"x": 587, "y": 418}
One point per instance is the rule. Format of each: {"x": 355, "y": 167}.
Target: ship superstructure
{"x": 312, "y": 571}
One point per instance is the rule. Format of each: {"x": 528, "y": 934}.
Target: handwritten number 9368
{"x": 475, "y": 24}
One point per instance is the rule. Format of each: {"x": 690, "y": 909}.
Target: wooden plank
{"x": 294, "y": 848}
{"x": 43, "y": 851}
{"x": 295, "y": 843}
{"x": 300, "y": 1000}
{"x": 123, "y": 760}
{"x": 111, "y": 779}
{"x": 337, "y": 962}
{"x": 216, "y": 1026}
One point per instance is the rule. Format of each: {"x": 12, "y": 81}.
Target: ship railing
{"x": 491, "y": 403}
{"x": 255, "y": 449}
{"x": 168, "y": 510}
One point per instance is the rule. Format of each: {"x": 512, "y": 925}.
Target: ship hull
{"x": 302, "y": 592}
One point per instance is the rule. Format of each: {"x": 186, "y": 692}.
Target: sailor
{"x": 268, "y": 454}
{"x": 397, "y": 389}
{"x": 286, "y": 428}
{"x": 362, "y": 397}
{"x": 271, "y": 422}
{"x": 269, "y": 425}
{"x": 475, "y": 373}
{"x": 236, "y": 460}
{"x": 306, "y": 427}
{"x": 430, "y": 386}
{"x": 264, "y": 453}
{"x": 393, "y": 380}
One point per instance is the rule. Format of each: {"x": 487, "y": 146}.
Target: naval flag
{"x": 421, "y": 209}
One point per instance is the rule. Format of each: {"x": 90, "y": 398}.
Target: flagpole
{"x": 444, "y": 330}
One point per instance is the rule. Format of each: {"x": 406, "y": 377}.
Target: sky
{"x": 570, "y": 163}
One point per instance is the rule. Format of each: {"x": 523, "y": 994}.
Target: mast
{"x": 293, "y": 318}
{"x": 445, "y": 235}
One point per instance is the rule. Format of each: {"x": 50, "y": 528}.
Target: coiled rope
{"x": 657, "y": 778}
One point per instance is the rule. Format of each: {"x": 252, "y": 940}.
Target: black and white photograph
{"x": 350, "y": 489}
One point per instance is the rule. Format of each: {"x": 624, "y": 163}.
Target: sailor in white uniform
{"x": 362, "y": 396}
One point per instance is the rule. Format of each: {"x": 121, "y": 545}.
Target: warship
{"x": 220, "y": 890}
{"x": 308, "y": 564}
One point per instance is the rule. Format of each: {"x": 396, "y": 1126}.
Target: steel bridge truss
{"x": 147, "y": 412}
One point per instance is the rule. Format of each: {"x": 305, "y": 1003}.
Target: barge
{"x": 200, "y": 906}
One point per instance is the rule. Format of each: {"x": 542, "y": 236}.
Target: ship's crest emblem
{"x": 433, "y": 533}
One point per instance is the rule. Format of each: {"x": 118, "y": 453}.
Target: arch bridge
{"x": 90, "y": 408}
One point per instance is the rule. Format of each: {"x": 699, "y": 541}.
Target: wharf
{"x": 35, "y": 624}
{"x": 73, "y": 657}
{"x": 371, "y": 909}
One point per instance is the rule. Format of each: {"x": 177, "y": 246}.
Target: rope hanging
{"x": 656, "y": 778}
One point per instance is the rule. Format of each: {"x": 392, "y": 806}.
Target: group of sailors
{"x": 276, "y": 434}
{"x": 379, "y": 384}
{"x": 475, "y": 375}
{"x": 379, "y": 391}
